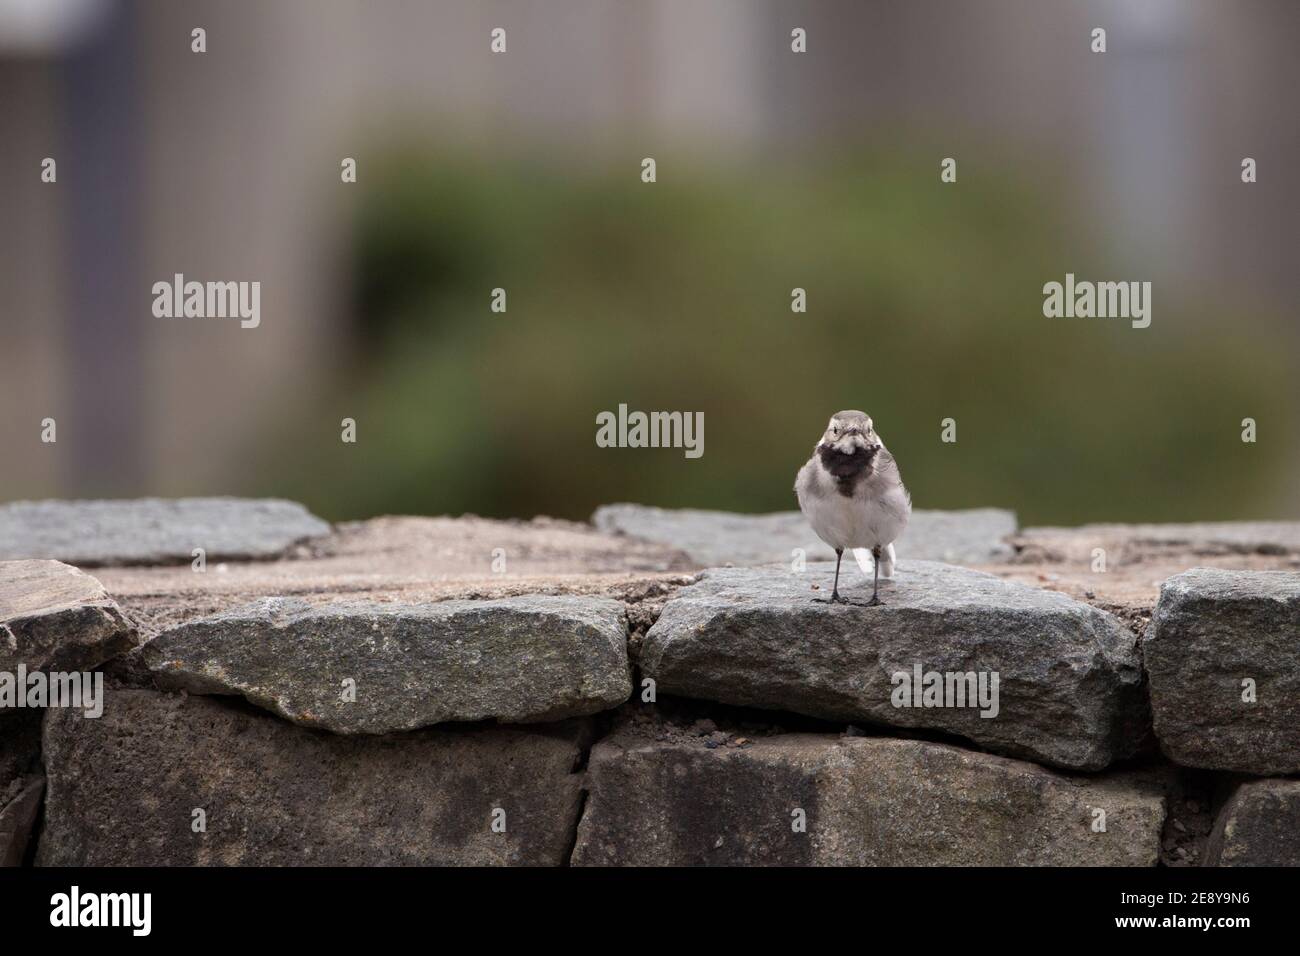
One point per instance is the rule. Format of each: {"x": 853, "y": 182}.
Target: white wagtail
{"x": 853, "y": 497}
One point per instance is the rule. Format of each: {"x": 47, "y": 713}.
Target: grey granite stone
{"x": 520, "y": 659}
{"x": 21, "y": 782}
{"x": 123, "y": 790}
{"x": 1213, "y": 632}
{"x": 715, "y": 538}
{"x": 1258, "y": 826}
{"x": 1069, "y": 677}
{"x": 1124, "y": 541}
{"x": 154, "y": 530}
{"x": 55, "y": 617}
{"x": 863, "y": 802}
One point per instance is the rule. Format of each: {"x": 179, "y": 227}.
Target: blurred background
{"x": 775, "y": 170}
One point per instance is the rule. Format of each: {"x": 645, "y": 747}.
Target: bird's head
{"x": 850, "y": 444}
{"x": 851, "y": 433}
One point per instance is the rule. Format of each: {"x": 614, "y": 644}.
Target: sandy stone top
{"x": 409, "y": 560}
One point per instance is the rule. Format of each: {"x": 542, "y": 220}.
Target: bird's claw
{"x": 833, "y": 599}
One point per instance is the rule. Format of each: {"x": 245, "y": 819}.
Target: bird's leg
{"x": 835, "y": 590}
{"x": 875, "y": 584}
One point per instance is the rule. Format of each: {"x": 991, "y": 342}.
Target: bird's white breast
{"x": 875, "y": 515}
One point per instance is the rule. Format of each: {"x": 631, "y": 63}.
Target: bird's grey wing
{"x": 805, "y": 483}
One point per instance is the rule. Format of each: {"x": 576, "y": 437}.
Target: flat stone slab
{"x": 1258, "y": 826}
{"x": 1129, "y": 541}
{"x": 1069, "y": 677}
{"x": 54, "y": 617}
{"x": 123, "y": 790}
{"x": 154, "y": 530}
{"x": 863, "y": 802}
{"x": 514, "y": 660}
{"x": 1214, "y": 632}
{"x": 716, "y": 538}
{"x": 408, "y": 561}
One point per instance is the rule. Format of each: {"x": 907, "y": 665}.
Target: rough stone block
{"x": 864, "y": 802}
{"x": 1223, "y": 658}
{"x": 1069, "y": 681}
{"x": 514, "y": 660}
{"x": 123, "y": 790}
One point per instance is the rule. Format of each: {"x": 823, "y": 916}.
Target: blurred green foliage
{"x": 924, "y": 302}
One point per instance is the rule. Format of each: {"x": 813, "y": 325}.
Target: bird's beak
{"x": 851, "y": 442}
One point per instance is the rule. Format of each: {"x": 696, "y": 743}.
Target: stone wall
{"x": 412, "y": 691}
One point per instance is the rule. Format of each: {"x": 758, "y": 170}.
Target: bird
{"x": 852, "y": 494}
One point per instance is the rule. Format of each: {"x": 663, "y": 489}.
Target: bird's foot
{"x": 833, "y": 599}
{"x": 874, "y": 602}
